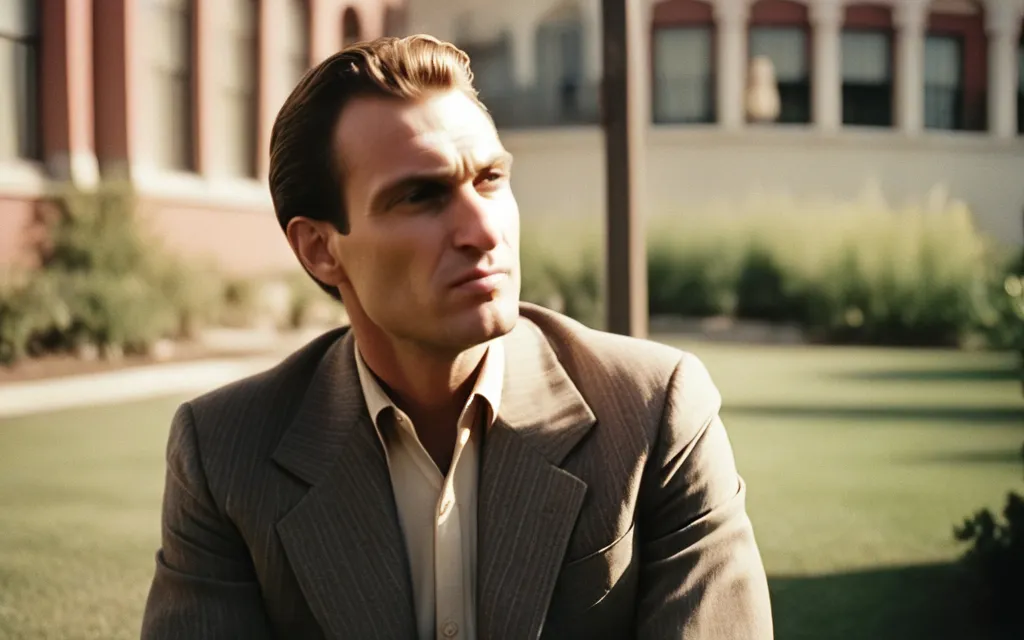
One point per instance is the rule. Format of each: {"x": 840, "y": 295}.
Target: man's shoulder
{"x": 581, "y": 347}
{"x": 277, "y": 387}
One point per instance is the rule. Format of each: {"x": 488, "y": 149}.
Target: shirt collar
{"x": 489, "y": 383}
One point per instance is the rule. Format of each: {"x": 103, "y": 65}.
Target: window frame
{"x": 890, "y": 85}
{"x": 709, "y": 116}
{"x": 28, "y": 136}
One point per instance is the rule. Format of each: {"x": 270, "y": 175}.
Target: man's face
{"x": 432, "y": 255}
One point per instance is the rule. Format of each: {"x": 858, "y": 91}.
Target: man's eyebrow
{"x": 420, "y": 178}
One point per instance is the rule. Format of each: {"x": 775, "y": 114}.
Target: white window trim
{"x": 23, "y": 178}
{"x": 191, "y": 188}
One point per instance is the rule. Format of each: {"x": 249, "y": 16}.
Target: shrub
{"x": 308, "y": 304}
{"x": 996, "y": 561}
{"x": 1000, "y": 306}
{"x": 562, "y": 268}
{"x": 102, "y": 282}
{"x": 857, "y": 272}
{"x": 240, "y": 301}
{"x": 691, "y": 272}
{"x": 27, "y": 314}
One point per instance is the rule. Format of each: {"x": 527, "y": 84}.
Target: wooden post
{"x": 625, "y": 117}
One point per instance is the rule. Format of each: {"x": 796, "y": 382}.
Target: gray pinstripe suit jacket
{"x": 609, "y": 503}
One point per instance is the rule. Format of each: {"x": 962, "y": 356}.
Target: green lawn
{"x": 858, "y": 461}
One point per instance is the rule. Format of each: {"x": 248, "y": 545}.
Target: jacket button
{"x": 450, "y": 629}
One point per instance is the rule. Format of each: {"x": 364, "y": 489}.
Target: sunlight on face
{"x": 433, "y": 252}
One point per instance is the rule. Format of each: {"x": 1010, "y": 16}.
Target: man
{"x": 454, "y": 464}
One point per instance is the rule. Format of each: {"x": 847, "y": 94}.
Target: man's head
{"x": 392, "y": 186}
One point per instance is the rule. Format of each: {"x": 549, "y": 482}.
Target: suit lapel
{"x": 343, "y": 538}
{"x": 528, "y": 505}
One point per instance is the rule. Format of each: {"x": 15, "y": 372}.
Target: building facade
{"x": 176, "y": 96}
{"x": 905, "y": 97}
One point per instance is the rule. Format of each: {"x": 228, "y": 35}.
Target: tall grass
{"x": 858, "y": 271}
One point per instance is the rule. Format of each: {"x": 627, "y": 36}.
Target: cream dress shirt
{"x": 438, "y": 513}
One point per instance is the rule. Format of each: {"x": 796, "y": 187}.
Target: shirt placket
{"x": 448, "y": 549}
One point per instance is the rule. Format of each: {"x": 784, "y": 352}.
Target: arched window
{"x": 682, "y": 53}
{"x": 780, "y": 31}
{"x": 351, "y": 31}
{"x": 867, "y": 54}
{"x": 19, "y": 79}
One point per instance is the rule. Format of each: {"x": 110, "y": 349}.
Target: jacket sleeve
{"x": 205, "y": 584}
{"x": 701, "y": 572}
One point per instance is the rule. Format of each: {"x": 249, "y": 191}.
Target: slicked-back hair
{"x": 306, "y": 172}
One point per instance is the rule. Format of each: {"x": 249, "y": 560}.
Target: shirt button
{"x": 446, "y": 506}
{"x": 450, "y": 629}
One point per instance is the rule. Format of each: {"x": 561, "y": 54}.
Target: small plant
{"x": 996, "y": 558}
{"x": 103, "y": 283}
{"x": 860, "y": 272}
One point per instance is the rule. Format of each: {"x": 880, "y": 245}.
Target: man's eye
{"x": 426, "y": 193}
{"x": 492, "y": 177}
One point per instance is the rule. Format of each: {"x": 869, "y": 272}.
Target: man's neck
{"x": 427, "y": 384}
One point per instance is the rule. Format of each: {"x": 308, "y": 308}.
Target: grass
{"x": 79, "y": 524}
{"x": 859, "y": 462}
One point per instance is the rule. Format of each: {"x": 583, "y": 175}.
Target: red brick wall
{"x": 778, "y": 13}
{"x": 671, "y": 13}
{"x": 236, "y": 240}
{"x": 868, "y": 16}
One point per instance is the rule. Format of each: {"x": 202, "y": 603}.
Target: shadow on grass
{"x": 902, "y": 603}
{"x": 1010, "y": 457}
{"x": 1009, "y": 416}
{"x": 934, "y": 375}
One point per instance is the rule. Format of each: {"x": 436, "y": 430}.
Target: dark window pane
{"x": 238, "y": 91}
{"x": 867, "y": 78}
{"x": 19, "y": 73}
{"x": 171, "y": 63}
{"x": 786, "y": 47}
{"x": 297, "y": 35}
{"x": 683, "y": 82}
{"x": 943, "y": 83}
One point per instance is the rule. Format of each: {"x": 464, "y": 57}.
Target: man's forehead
{"x": 381, "y": 135}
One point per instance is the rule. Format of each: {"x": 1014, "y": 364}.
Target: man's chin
{"x": 486, "y": 322}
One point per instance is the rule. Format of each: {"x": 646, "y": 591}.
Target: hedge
{"x": 845, "y": 272}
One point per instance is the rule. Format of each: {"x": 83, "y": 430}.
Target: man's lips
{"x": 481, "y": 280}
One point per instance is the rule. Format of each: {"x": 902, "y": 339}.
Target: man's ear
{"x": 313, "y": 242}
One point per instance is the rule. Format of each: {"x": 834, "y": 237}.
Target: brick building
{"x": 178, "y": 96}
{"x": 905, "y": 97}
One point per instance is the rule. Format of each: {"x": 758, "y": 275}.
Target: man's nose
{"x": 477, "y": 221}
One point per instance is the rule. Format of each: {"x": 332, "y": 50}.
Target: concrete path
{"x": 124, "y": 385}
{"x": 150, "y": 381}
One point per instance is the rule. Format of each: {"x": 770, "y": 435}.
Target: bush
{"x": 1001, "y": 307}
{"x": 860, "y": 272}
{"x": 240, "y": 301}
{"x": 563, "y": 270}
{"x": 102, "y": 282}
{"x": 996, "y": 561}
{"x": 693, "y": 276}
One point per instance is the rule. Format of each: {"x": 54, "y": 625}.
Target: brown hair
{"x": 305, "y": 171}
